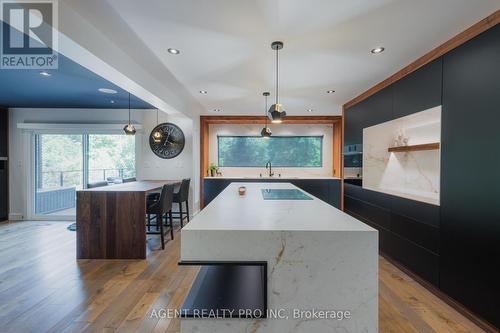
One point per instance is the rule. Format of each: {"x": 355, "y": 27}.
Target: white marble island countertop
{"x": 317, "y": 258}
{"x": 229, "y": 211}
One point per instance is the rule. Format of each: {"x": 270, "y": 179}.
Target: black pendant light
{"x": 129, "y": 128}
{"x": 157, "y": 134}
{"x": 266, "y": 131}
{"x": 275, "y": 113}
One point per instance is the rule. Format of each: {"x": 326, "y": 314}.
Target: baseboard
{"x": 482, "y": 323}
{"x": 16, "y": 217}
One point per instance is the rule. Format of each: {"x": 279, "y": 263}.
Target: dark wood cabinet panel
{"x": 419, "y": 90}
{"x": 470, "y": 215}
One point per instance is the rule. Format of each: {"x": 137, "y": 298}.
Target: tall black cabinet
{"x": 470, "y": 180}
{"x": 4, "y": 125}
{"x": 454, "y": 246}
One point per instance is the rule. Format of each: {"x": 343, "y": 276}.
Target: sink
{"x": 284, "y": 194}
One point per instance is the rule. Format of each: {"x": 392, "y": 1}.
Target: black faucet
{"x": 270, "y": 166}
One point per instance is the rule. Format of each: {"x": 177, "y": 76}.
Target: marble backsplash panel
{"x": 413, "y": 175}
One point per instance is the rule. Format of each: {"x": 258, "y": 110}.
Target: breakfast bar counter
{"x": 313, "y": 257}
{"x": 110, "y": 220}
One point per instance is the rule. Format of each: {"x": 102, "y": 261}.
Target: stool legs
{"x": 171, "y": 224}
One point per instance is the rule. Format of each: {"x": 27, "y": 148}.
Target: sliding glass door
{"x": 110, "y": 157}
{"x": 58, "y": 173}
{"x": 66, "y": 163}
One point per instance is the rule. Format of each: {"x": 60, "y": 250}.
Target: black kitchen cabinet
{"x": 416, "y": 258}
{"x": 418, "y": 91}
{"x": 3, "y": 191}
{"x": 470, "y": 214}
{"x": 3, "y": 132}
{"x": 3, "y": 164}
{"x": 408, "y": 229}
{"x": 374, "y": 110}
{"x": 455, "y": 245}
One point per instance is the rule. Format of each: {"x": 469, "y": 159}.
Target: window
{"x": 282, "y": 151}
{"x": 110, "y": 156}
{"x": 65, "y": 163}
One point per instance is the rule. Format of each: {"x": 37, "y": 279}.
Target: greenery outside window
{"x": 282, "y": 151}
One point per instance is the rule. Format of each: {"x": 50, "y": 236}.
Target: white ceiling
{"x": 225, "y": 45}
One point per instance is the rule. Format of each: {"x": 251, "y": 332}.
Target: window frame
{"x": 321, "y": 137}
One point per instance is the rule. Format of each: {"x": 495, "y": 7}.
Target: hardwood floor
{"x": 44, "y": 289}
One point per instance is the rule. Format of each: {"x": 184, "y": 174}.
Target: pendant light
{"x": 266, "y": 131}
{"x": 129, "y": 128}
{"x": 276, "y": 114}
{"x": 157, "y": 134}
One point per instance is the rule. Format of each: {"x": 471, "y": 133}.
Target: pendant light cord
{"x": 156, "y": 117}
{"x": 129, "y": 108}
{"x": 277, "y": 74}
{"x": 265, "y": 110}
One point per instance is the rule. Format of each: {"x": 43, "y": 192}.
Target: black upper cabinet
{"x": 470, "y": 213}
{"x": 3, "y": 132}
{"x": 374, "y": 110}
{"x": 419, "y": 90}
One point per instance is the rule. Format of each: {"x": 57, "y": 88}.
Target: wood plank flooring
{"x": 43, "y": 288}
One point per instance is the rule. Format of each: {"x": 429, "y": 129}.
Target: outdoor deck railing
{"x": 57, "y": 189}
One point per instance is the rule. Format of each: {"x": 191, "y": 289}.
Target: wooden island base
{"x": 110, "y": 220}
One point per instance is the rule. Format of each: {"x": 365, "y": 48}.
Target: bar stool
{"x": 161, "y": 209}
{"x": 181, "y": 195}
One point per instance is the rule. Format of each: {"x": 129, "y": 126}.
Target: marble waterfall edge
{"x": 318, "y": 258}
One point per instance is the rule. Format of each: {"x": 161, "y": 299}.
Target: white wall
{"x": 291, "y": 129}
{"x": 151, "y": 167}
{"x": 148, "y": 166}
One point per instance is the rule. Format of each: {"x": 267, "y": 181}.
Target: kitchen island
{"x": 281, "y": 260}
{"x": 111, "y": 220}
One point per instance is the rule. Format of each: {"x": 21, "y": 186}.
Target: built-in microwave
{"x": 353, "y": 156}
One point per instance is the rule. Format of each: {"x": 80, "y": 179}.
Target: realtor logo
{"x": 29, "y": 34}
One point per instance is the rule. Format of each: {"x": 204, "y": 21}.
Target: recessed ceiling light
{"x": 44, "y": 73}
{"x": 330, "y": 91}
{"x": 376, "y": 50}
{"x": 173, "y": 51}
{"x": 203, "y": 92}
{"x": 107, "y": 91}
{"x": 310, "y": 110}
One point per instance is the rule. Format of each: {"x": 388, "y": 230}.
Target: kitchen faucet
{"x": 270, "y": 166}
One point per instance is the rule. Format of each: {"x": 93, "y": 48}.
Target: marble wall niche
{"x": 413, "y": 175}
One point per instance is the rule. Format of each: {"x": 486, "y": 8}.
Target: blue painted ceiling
{"x": 69, "y": 86}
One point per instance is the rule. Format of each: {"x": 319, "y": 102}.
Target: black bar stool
{"x": 161, "y": 209}
{"x": 181, "y": 195}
